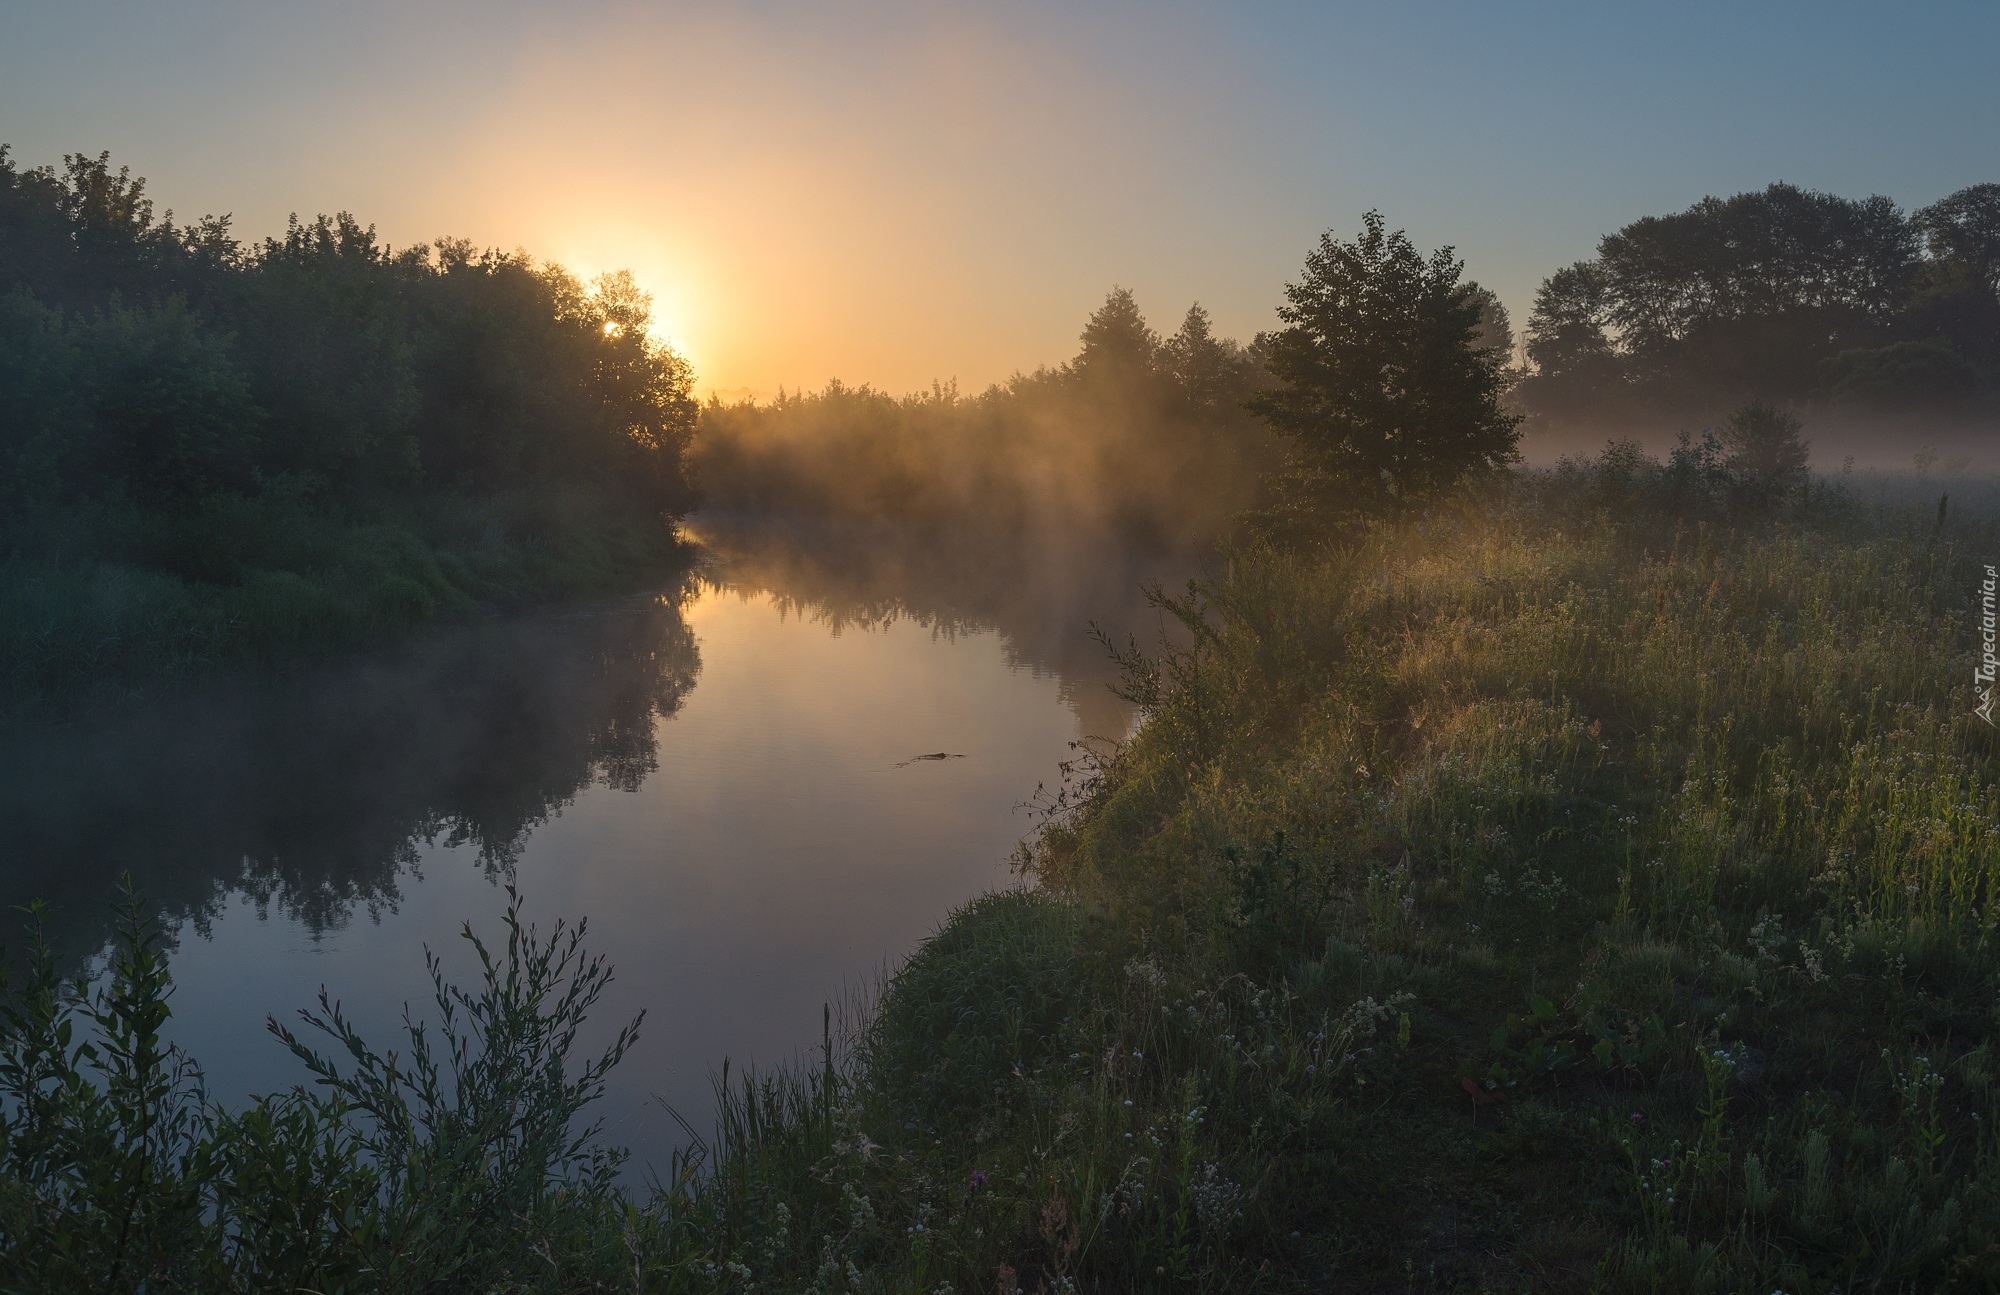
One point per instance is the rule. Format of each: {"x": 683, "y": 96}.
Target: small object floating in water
{"x": 935, "y": 755}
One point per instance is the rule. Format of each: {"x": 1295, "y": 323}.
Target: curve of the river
{"x": 724, "y": 778}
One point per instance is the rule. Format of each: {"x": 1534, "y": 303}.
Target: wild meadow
{"x": 1589, "y": 885}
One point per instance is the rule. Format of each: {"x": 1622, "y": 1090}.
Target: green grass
{"x": 116, "y": 598}
{"x": 1562, "y": 891}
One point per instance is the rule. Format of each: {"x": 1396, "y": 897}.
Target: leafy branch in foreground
{"x": 474, "y": 1139}
{"x": 103, "y": 1145}
{"x": 462, "y": 1167}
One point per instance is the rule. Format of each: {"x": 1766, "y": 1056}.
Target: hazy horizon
{"x": 898, "y": 194}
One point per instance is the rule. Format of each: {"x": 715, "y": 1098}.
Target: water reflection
{"x": 312, "y": 793}
{"x": 1040, "y": 591}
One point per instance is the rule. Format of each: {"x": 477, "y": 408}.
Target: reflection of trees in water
{"x": 1039, "y": 590}
{"x": 313, "y": 792}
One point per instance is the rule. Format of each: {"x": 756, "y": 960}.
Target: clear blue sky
{"x": 898, "y": 193}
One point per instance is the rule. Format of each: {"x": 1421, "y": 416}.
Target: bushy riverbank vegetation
{"x": 1591, "y": 885}
{"x": 213, "y": 450}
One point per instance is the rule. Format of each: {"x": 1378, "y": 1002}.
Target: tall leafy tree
{"x": 1778, "y": 295}
{"x": 1784, "y": 250}
{"x": 1567, "y": 329}
{"x": 1958, "y": 303}
{"x": 1387, "y": 397}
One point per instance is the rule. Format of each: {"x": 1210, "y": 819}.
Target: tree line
{"x": 1390, "y": 384}
{"x": 212, "y": 447}
{"x": 1159, "y": 439}
{"x": 156, "y": 363}
{"x": 1852, "y": 308}
{"x": 1142, "y": 434}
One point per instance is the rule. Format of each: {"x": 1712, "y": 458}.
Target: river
{"x": 730, "y": 779}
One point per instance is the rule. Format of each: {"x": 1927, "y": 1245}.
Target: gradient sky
{"x": 898, "y": 193}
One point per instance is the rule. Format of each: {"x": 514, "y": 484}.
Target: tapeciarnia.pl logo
{"x": 1983, "y": 674}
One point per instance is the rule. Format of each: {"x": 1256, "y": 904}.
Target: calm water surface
{"x": 721, "y": 778}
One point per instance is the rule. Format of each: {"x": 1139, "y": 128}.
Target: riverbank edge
{"x": 252, "y": 584}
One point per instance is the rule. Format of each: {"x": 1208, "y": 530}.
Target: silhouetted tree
{"x": 1782, "y": 294}
{"x": 1566, "y": 331}
{"x": 1957, "y": 305}
{"x": 1964, "y": 229}
{"x": 1387, "y": 397}
{"x": 1118, "y": 346}
{"x": 1207, "y": 370}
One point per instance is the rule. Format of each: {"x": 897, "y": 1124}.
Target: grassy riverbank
{"x": 1574, "y": 892}
{"x": 1583, "y": 888}
{"x": 119, "y": 599}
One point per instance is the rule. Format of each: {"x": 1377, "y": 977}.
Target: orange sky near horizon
{"x": 797, "y": 222}
{"x": 911, "y": 191}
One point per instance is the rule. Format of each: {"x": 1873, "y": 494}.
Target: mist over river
{"x": 722, "y": 777}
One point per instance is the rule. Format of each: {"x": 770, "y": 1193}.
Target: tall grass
{"x": 1690, "y": 814}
